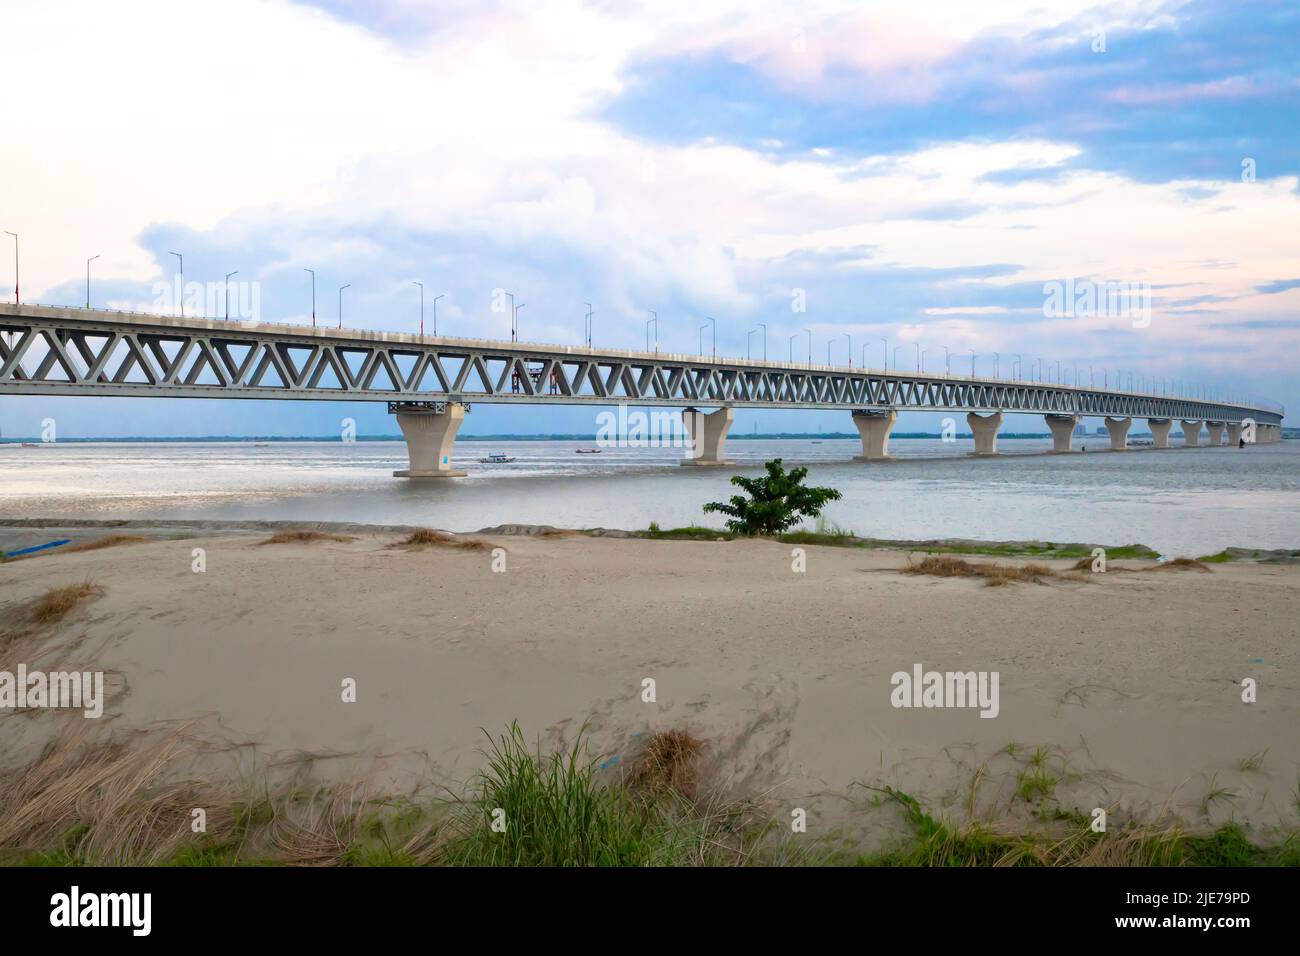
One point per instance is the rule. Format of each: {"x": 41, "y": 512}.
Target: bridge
{"x": 429, "y": 382}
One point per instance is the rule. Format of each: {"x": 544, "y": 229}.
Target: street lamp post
{"x": 514, "y": 322}
{"x": 1019, "y": 367}
{"x": 341, "y": 288}
{"x": 886, "y": 341}
{"x": 764, "y": 328}
{"x": 809, "y": 331}
{"x": 922, "y": 368}
{"x": 180, "y": 292}
{"x": 421, "y": 285}
{"x": 229, "y": 275}
{"x": 792, "y": 338}
{"x": 850, "y": 338}
{"x": 440, "y": 295}
{"x": 654, "y": 319}
{"x": 973, "y": 356}
{"x": 88, "y": 262}
{"x": 15, "y": 235}
{"x": 714, "y": 324}
{"x": 313, "y": 296}
{"x": 587, "y": 323}
{"x": 917, "y": 345}
{"x": 702, "y": 328}
{"x": 947, "y": 361}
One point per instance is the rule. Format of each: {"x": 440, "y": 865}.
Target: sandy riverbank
{"x": 1126, "y": 684}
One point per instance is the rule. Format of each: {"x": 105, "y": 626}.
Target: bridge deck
{"x": 61, "y": 351}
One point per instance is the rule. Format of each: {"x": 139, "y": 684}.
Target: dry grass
{"x": 304, "y": 537}
{"x": 108, "y": 541}
{"x": 994, "y": 575}
{"x": 1182, "y": 564}
{"x": 56, "y": 604}
{"x": 667, "y": 763}
{"x": 427, "y": 537}
{"x": 104, "y": 802}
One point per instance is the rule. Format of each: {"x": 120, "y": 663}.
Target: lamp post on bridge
{"x": 886, "y": 341}
{"x": 226, "y": 291}
{"x": 973, "y": 356}
{"x": 15, "y": 235}
{"x": 421, "y": 285}
{"x": 514, "y": 321}
{"x": 996, "y": 359}
{"x": 180, "y": 292}
{"x": 590, "y": 316}
{"x": 809, "y": 331}
{"x": 947, "y": 361}
{"x": 714, "y": 325}
{"x": 88, "y": 262}
{"x": 341, "y": 288}
{"x": 792, "y": 338}
{"x": 440, "y": 295}
{"x": 655, "y": 319}
{"x": 1017, "y": 366}
{"x": 313, "y": 296}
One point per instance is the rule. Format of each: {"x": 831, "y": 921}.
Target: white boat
{"x": 497, "y": 458}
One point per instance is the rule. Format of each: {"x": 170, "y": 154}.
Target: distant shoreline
{"x": 236, "y": 440}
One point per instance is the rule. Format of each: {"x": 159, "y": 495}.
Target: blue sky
{"x": 915, "y": 173}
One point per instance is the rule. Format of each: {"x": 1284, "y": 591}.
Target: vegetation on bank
{"x": 776, "y": 501}
{"x": 88, "y": 804}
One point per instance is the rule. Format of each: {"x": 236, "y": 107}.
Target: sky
{"x": 894, "y": 175}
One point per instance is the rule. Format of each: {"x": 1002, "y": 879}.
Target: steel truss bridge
{"x": 62, "y": 351}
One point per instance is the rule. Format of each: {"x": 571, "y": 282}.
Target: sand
{"x": 1126, "y": 684}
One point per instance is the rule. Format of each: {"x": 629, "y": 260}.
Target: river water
{"x": 1192, "y": 501}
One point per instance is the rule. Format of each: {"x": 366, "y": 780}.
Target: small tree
{"x": 776, "y": 501}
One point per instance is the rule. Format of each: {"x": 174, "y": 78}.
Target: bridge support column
{"x": 708, "y": 435}
{"x": 1216, "y": 432}
{"x": 874, "y": 429}
{"x": 984, "y": 428}
{"x": 1191, "y": 434}
{"x": 429, "y": 435}
{"x": 1160, "y": 431}
{"x": 1118, "y": 428}
{"x": 1234, "y": 433}
{"x": 1062, "y": 427}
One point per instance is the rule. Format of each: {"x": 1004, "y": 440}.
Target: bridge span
{"x": 429, "y": 382}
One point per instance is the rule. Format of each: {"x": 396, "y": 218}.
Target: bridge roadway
{"x": 430, "y": 381}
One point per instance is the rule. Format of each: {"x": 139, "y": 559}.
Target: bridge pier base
{"x": 1118, "y": 428}
{"x": 1216, "y": 432}
{"x": 984, "y": 428}
{"x": 429, "y": 435}
{"x": 1160, "y": 431}
{"x": 1062, "y": 427}
{"x": 1191, "y": 434}
{"x": 1234, "y": 433}
{"x": 708, "y": 433}
{"x": 874, "y": 429}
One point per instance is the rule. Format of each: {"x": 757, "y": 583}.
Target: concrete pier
{"x": 1118, "y": 428}
{"x": 1062, "y": 427}
{"x": 985, "y": 430}
{"x": 1216, "y": 432}
{"x": 1191, "y": 434}
{"x": 1160, "y": 431}
{"x": 1234, "y": 433}
{"x": 708, "y": 436}
{"x": 430, "y": 435}
{"x": 874, "y": 429}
